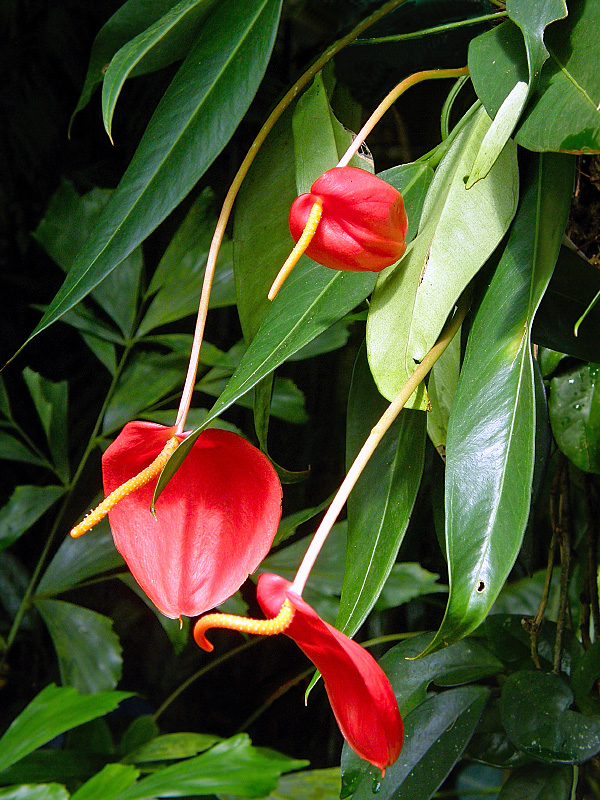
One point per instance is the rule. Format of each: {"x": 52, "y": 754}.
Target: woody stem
{"x": 389, "y": 99}
{"x": 186, "y": 396}
{"x": 368, "y": 448}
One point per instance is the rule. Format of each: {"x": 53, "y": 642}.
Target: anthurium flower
{"x": 360, "y": 694}
{"x": 215, "y": 520}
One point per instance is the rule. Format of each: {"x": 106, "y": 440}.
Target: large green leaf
{"x": 574, "y": 408}
{"x": 231, "y": 766}
{"x": 458, "y": 232}
{"x": 380, "y": 505}
{"x": 435, "y": 734}
{"x": 188, "y": 130}
{"x": 538, "y": 782}
{"x": 76, "y": 560}
{"x": 563, "y": 112}
{"x": 181, "y": 21}
{"x": 177, "y": 280}
{"x": 88, "y": 650}
{"x": 172, "y": 747}
{"x": 25, "y": 506}
{"x": 108, "y": 783}
{"x": 313, "y": 784}
{"x": 311, "y": 300}
{"x": 549, "y": 731}
{"x": 55, "y": 710}
{"x": 532, "y": 18}
{"x": 30, "y": 791}
{"x": 491, "y": 435}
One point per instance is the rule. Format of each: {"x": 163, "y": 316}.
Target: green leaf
{"x": 436, "y": 733}
{"x": 188, "y": 130}
{"x": 405, "y": 582}
{"x": 441, "y": 388}
{"x": 574, "y": 408}
{"x": 584, "y": 675}
{"x": 172, "y": 747}
{"x": 537, "y": 782}
{"x": 149, "y": 377}
{"x": 76, "y": 560}
{"x": 490, "y": 745}
{"x": 140, "y": 733}
{"x": 107, "y": 784}
{"x": 132, "y": 18}
{"x": 549, "y": 731}
{"x": 52, "y": 712}
{"x": 186, "y": 15}
{"x": 50, "y": 765}
{"x": 30, "y": 791}
{"x": 12, "y": 449}
{"x": 377, "y": 520}
{"x": 574, "y": 284}
{"x": 313, "y": 784}
{"x": 178, "y": 632}
{"x": 491, "y": 435}
{"x": 88, "y": 650}
{"x": 26, "y": 505}
{"x": 231, "y": 766}
{"x": 563, "y": 112}
{"x": 177, "y": 281}
{"x": 51, "y": 401}
{"x": 459, "y": 230}
{"x": 103, "y": 350}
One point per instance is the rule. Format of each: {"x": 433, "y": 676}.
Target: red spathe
{"x": 215, "y": 520}
{"x": 363, "y": 225}
{"x": 359, "y": 691}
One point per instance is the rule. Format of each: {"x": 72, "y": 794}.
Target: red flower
{"x": 215, "y": 520}
{"x": 360, "y": 694}
{"x": 363, "y": 223}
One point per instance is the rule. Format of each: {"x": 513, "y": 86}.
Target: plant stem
{"x": 390, "y": 98}
{"x": 186, "y": 396}
{"x": 402, "y": 37}
{"x": 373, "y": 440}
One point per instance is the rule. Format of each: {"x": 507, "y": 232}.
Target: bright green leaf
{"x": 314, "y": 784}
{"x": 458, "y": 232}
{"x": 26, "y": 505}
{"x": 172, "y": 747}
{"x": 108, "y": 783}
{"x": 139, "y": 733}
{"x": 549, "y": 731}
{"x": 574, "y": 407}
{"x": 441, "y": 388}
{"x": 377, "y": 520}
{"x": 51, "y": 401}
{"x": 491, "y": 435}
{"x": 29, "y": 791}
{"x": 187, "y": 15}
{"x": 229, "y": 58}
{"x": 53, "y": 711}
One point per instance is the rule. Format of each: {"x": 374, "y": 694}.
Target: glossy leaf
{"x": 441, "y": 388}
{"x": 584, "y": 676}
{"x": 377, "y": 520}
{"x": 563, "y": 112}
{"x": 44, "y": 791}
{"x": 76, "y": 560}
{"x": 52, "y": 712}
{"x": 537, "y": 782}
{"x": 177, "y": 280}
{"x": 491, "y": 435}
{"x": 311, "y": 300}
{"x": 185, "y": 15}
{"x": 458, "y": 232}
{"x": 549, "y": 731}
{"x": 25, "y": 506}
{"x": 574, "y": 407}
{"x": 231, "y": 766}
{"x": 490, "y": 745}
{"x": 108, "y": 783}
{"x": 436, "y": 733}
{"x": 51, "y": 400}
{"x": 229, "y": 58}
{"x": 172, "y": 747}
{"x": 132, "y": 18}
{"x": 88, "y": 650}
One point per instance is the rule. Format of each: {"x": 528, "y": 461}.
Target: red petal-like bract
{"x": 363, "y": 225}
{"x": 215, "y": 520}
{"x": 360, "y": 694}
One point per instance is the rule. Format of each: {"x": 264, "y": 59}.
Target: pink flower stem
{"x": 186, "y": 396}
{"x": 389, "y": 99}
{"x": 373, "y": 440}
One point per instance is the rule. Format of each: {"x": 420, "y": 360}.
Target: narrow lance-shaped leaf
{"x": 188, "y": 130}
{"x": 491, "y": 435}
{"x": 377, "y": 520}
{"x": 532, "y": 18}
{"x": 459, "y": 230}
